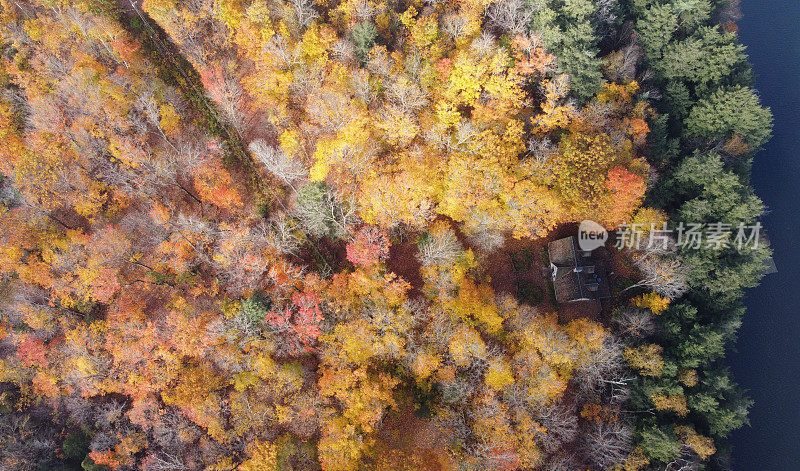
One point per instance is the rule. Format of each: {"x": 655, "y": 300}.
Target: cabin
{"x": 577, "y": 275}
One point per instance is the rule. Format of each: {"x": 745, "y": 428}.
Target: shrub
{"x": 529, "y": 292}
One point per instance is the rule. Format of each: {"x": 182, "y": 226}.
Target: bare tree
{"x": 379, "y": 62}
{"x": 635, "y": 323}
{"x": 511, "y": 16}
{"x": 406, "y": 94}
{"x": 191, "y": 155}
{"x": 279, "y": 48}
{"x": 281, "y": 235}
{"x": 728, "y": 11}
{"x": 606, "y": 11}
{"x": 104, "y": 441}
{"x": 484, "y": 45}
{"x": 439, "y": 331}
{"x": 454, "y": 25}
{"x": 78, "y": 408}
{"x": 361, "y": 86}
{"x": 226, "y": 91}
{"x": 562, "y": 462}
{"x": 162, "y": 461}
{"x": 345, "y": 51}
{"x": 277, "y": 162}
{"x": 329, "y": 111}
{"x": 147, "y": 105}
{"x": 561, "y": 425}
{"x": 171, "y": 429}
{"x": 25, "y": 443}
{"x": 109, "y": 412}
{"x": 463, "y": 137}
{"x": 688, "y": 461}
{"x": 193, "y": 230}
{"x": 304, "y": 13}
{"x": 365, "y": 10}
{"x": 541, "y": 149}
{"x": 323, "y": 211}
{"x": 458, "y": 141}
{"x": 559, "y": 86}
{"x": 604, "y": 365}
{"x": 664, "y": 274}
{"x": 624, "y": 62}
{"x": 439, "y": 249}
{"x": 482, "y": 232}
{"x": 607, "y": 444}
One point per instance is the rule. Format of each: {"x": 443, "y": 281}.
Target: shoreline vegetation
{"x": 313, "y": 235}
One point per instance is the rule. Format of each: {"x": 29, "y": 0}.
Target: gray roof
{"x": 571, "y": 278}
{"x": 563, "y": 252}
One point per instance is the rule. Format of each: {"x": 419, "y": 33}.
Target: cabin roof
{"x": 563, "y": 252}
{"x": 575, "y": 278}
{"x": 567, "y": 286}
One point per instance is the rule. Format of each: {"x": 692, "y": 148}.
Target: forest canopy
{"x": 311, "y": 234}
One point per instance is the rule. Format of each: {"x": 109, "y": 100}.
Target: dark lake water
{"x": 767, "y": 356}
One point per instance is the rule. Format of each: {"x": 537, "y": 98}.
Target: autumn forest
{"x": 267, "y": 235}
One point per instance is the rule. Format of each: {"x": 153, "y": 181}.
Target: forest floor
{"x": 521, "y": 268}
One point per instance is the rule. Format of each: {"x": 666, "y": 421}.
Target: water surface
{"x": 767, "y": 360}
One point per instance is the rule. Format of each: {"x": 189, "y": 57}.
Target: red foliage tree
{"x": 215, "y": 185}
{"x": 529, "y": 56}
{"x": 369, "y": 247}
{"x": 626, "y": 190}
{"x": 32, "y": 351}
{"x": 301, "y": 319}
{"x": 307, "y": 317}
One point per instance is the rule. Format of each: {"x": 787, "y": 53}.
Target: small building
{"x": 577, "y": 276}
